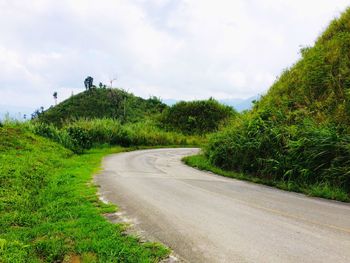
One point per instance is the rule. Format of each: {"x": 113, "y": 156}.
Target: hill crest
{"x": 102, "y": 103}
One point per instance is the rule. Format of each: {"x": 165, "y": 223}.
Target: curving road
{"x": 208, "y": 218}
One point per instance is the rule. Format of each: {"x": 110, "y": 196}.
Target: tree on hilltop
{"x": 55, "y": 97}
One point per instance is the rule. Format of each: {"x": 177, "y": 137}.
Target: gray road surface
{"x": 208, "y": 218}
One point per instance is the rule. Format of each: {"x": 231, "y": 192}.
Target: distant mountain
{"x": 170, "y": 102}
{"x": 238, "y": 104}
{"x": 15, "y": 112}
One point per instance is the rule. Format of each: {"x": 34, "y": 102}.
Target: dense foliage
{"x": 83, "y": 134}
{"x": 49, "y": 210}
{"x": 299, "y": 132}
{"x": 102, "y": 103}
{"x": 196, "y": 117}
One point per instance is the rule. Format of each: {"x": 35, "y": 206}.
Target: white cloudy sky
{"x": 183, "y": 49}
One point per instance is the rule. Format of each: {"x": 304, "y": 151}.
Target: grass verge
{"x": 49, "y": 210}
{"x": 319, "y": 190}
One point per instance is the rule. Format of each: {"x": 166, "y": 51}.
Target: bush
{"x": 46, "y": 130}
{"x": 102, "y": 131}
{"x": 53, "y": 133}
{"x": 80, "y": 138}
{"x": 196, "y": 117}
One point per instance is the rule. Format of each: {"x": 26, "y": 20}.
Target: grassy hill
{"x": 298, "y": 135}
{"x": 103, "y": 103}
{"x": 49, "y": 210}
{"x": 318, "y": 85}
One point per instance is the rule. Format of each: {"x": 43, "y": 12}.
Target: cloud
{"x": 184, "y": 49}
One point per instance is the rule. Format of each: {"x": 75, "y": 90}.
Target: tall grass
{"x": 83, "y": 134}
{"x": 147, "y": 133}
{"x": 305, "y": 154}
{"x": 299, "y": 132}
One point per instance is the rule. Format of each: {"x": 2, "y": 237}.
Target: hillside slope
{"x": 49, "y": 210}
{"x": 103, "y": 103}
{"x": 298, "y": 134}
{"x": 318, "y": 85}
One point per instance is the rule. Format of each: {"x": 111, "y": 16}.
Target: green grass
{"x": 49, "y": 210}
{"x": 318, "y": 190}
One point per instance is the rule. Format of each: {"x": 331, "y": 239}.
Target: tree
{"x": 55, "y": 97}
{"x": 88, "y": 82}
{"x": 35, "y": 114}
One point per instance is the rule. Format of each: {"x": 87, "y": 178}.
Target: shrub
{"x": 53, "y": 133}
{"x": 46, "y": 130}
{"x": 196, "y": 117}
{"x": 101, "y": 131}
{"x": 79, "y": 137}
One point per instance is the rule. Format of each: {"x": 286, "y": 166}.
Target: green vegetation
{"x": 201, "y": 162}
{"x": 49, "y": 208}
{"x": 298, "y": 133}
{"x": 49, "y": 211}
{"x": 84, "y": 134}
{"x": 196, "y": 117}
{"x": 297, "y": 137}
{"x": 102, "y": 103}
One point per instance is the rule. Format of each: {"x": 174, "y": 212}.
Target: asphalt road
{"x": 208, "y": 218}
